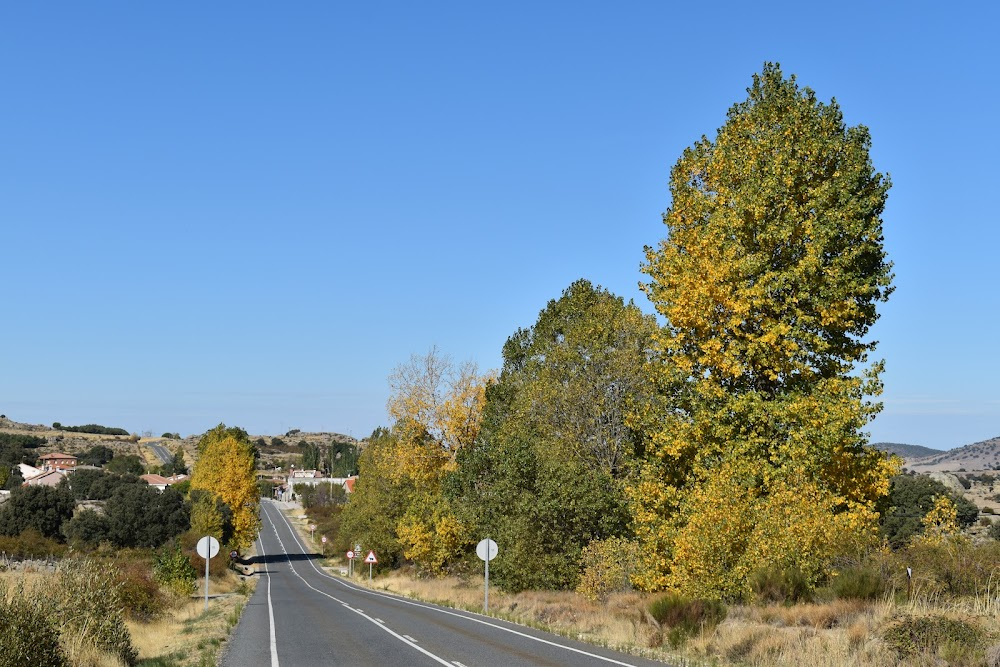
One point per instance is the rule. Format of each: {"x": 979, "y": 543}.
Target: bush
{"x": 31, "y": 544}
{"x": 173, "y": 570}
{"x": 933, "y": 635}
{"x": 27, "y": 634}
{"x": 140, "y": 594}
{"x": 607, "y": 566}
{"x": 956, "y": 566}
{"x": 87, "y": 527}
{"x": 987, "y": 510}
{"x": 858, "y": 583}
{"x": 994, "y": 531}
{"x": 89, "y": 604}
{"x": 780, "y": 584}
{"x": 686, "y": 617}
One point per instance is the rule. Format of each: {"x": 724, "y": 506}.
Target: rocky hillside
{"x": 983, "y": 455}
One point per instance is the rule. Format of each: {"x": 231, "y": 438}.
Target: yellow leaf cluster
{"x": 226, "y": 468}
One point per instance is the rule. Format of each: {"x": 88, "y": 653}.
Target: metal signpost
{"x": 208, "y": 548}
{"x": 350, "y": 562}
{"x": 487, "y": 551}
{"x": 323, "y": 540}
{"x": 371, "y": 560}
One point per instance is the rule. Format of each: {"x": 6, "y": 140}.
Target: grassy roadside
{"x": 179, "y": 634}
{"x": 187, "y": 635}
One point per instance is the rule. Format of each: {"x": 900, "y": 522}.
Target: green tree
{"x": 126, "y": 464}
{"x": 97, "y": 455}
{"x": 226, "y": 467}
{"x": 546, "y": 475}
{"x": 89, "y": 527}
{"x": 141, "y": 516}
{"x": 177, "y": 465}
{"x": 768, "y": 280}
{"x": 210, "y": 516}
{"x": 43, "y": 508}
{"x": 910, "y": 498}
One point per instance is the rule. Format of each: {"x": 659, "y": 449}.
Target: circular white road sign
{"x": 487, "y": 549}
{"x": 208, "y": 547}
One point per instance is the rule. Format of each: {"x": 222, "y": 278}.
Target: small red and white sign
{"x": 323, "y": 539}
{"x": 370, "y": 558}
{"x": 351, "y": 555}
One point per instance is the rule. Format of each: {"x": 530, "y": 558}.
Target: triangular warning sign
{"x": 370, "y": 558}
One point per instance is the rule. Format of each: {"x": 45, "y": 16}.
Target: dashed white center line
{"x": 458, "y": 664}
{"x": 410, "y": 638}
{"x": 379, "y": 620}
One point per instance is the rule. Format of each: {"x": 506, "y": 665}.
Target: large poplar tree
{"x": 768, "y": 281}
{"x": 226, "y": 468}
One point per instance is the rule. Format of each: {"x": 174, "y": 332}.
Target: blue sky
{"x": 251, "y": 212}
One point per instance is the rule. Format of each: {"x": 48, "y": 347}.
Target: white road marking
{"x": 439, "y": 610}
{"x": 270, "y": 611}
{"x": 378, "y": 624}
{"x": 458, "y": 664}
{"x": 410, "y": 638}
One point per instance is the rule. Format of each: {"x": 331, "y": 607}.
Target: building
{"x": 47, "y": 478}
{"x": 57, "y": 461}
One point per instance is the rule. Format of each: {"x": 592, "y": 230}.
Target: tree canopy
{"x": 545, "y": 476}
{"x": 768, "y": 281}
{"x": 226, "y": 467}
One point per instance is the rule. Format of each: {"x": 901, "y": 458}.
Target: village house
{"x": 57, "y": 461}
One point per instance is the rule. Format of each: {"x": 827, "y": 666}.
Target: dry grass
{"x": 831, "y": 634}
{"x": 188, "y": 635}
{"x": 185, "y": 636}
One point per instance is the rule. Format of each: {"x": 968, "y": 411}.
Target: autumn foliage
{"x": 227, "y": 470}
{"x": 688, "y": 453}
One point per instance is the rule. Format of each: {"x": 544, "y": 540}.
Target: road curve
{"x": 301, "y": 616}
{"x": 161, "y": 452}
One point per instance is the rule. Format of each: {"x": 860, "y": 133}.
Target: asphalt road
{"x": 162, "y": 453}
{"x": 301, "y": 616}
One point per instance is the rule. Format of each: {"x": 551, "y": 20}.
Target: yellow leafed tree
{"x": 226, "y": 468}
{"x": 768, "y": 282}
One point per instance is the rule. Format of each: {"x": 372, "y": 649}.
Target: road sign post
{"x": 371, "y": 560}
{"x": 350, "y": 562}
{"x": 487, "y": 551}
{"x": 323, "y": 540}
{"x": 208, "y": 547}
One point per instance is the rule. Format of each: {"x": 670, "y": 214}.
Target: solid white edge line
{"x": 377, "y": 624}
{"x": 445, "y": 611}
{"x": 270, "y": 610}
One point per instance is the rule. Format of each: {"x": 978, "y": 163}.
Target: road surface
{"x": 161, "y": 452}
{"x": 301, "y": 616}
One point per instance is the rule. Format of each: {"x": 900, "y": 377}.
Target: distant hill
{"x": 983, "y": 455}
{"x": 906, "y": 451}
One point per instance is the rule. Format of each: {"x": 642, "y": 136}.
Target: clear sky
{"x": 251, "y": 212}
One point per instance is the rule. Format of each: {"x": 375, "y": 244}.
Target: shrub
{"x": 27, "y": 634}
{"x": 173, "y": 570}
{"x": 88, "y": 604}
{"x": 955, "y": 566}
{"x": 933, "y": 634}
{"x": 985, "y": 521}
{"x": 607, "y": 566}
{"x": 685, "y": 617}
{"x": 31, "y": 544}
{"x": 858, "y": 583}
{"x": 140, "y": 594}
{"x": 994, "y": 531}
{"x": 780, "y": 584}
{"x": 987, "y": 510}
